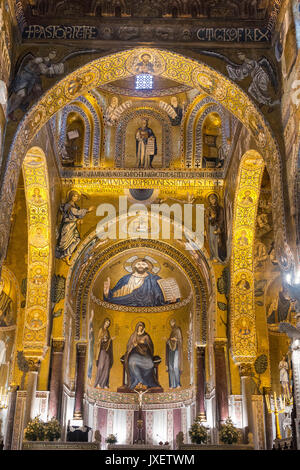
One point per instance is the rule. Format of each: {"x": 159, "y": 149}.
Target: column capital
{"x": 245, "y": 369}
{"x": 219, "y": 345}
{"x": 267, "y": 390}
{"x": 81, "y": 348}
{"x": 34, "y": 363}
{"x": 58, "y": 345}
{"x": 200, "y": 350}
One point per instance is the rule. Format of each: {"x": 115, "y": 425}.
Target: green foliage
{"x": 34, "y": 430}
{"x": 57, "y": 313}
{"x": 58, "y": 288}
{"x": 223, "y": 283}
{"x": 222, "y": 306}
{"x": 198, "y": 433}
{"x": 22, "y": 362}
{"x": 24, "y": 286}
{"x": 228, "y": 433}
{"x": 52, "y": 430}
{"x": 37, "y": 430}
{"x": 111, "y": 439}
{"x": 261, "y": 364}
{"x": 23, "y": 290}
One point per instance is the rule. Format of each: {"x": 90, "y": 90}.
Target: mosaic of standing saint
{"x": 142, "y": 287}
{"x": 146, "y": 145}
{"x": 174, "y": 355}
{"x": 104, "y": 355}
{"x": 68, "y": 234}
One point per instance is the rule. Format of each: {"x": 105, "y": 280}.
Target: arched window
{"x": 211, "y": 140}
{"x": 74, "y": 140}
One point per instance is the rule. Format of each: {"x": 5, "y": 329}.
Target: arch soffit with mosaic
{"x": 166, "y": 64}
{"x": 242, "y": 310}
{"x": 36, "y": 185}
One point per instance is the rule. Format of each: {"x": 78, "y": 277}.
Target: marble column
{"x": 221, "y": 381}
{"x": 268, "y": 420}
{"x": 79, "y": 388}
{"x": 56, "y": 378}
{"x": 32, "y": 378}
{"x": 246, "y": 388}
{"x": 200, "y": 383}
{"x": 10, "y": 416}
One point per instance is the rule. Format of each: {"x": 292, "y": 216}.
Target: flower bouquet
{"x": 52, "y": 430}
{"x": 35, "y": 430}
{"x": 111, "y": 439}
{"x": 228, "y": 433}
{"x": 198, "y": 433}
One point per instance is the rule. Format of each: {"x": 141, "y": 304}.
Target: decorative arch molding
{"x": 242, "y": 321}
{"x": 36, "y": 185}
{"x": 87, "y": 137}
{"x": 199, "y": 131}
{"x": 168, "y": 65}
{"x": 140, "y": 112}
{"x": 104, "y": 255}
{"x": 193, "y": 150}
{"x": 97, "y": 131}
{"x": 296, "y": 197}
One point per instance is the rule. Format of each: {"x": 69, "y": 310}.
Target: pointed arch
{"x": 168, "y": 65}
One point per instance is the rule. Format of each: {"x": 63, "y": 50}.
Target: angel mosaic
{"x": 261, "y": 71}
{"x": 27, "y": 83}
{"x": 142, "y": 287}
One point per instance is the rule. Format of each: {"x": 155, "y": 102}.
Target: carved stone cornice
{"x": 245, "y": 369}
{"x": 58, "y": 345}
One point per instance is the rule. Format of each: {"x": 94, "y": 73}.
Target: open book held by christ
{"x": 170, "y": 289}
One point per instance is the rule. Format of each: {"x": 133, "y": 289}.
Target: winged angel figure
{"x": 261, "y": 71}
{"x": 27, "y": 84}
